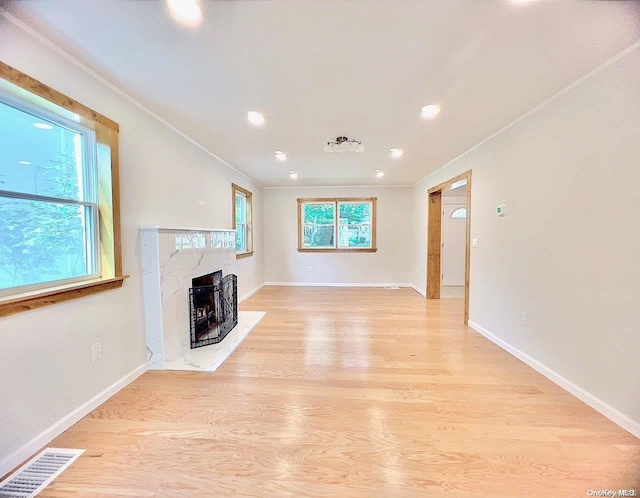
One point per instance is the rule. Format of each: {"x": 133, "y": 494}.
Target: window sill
{"x": 337, "y": 250}
{"x": 240, "y": 255}
{"x": 38, "y": 299}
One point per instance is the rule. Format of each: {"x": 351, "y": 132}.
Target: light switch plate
{"x": 96, "y": 351}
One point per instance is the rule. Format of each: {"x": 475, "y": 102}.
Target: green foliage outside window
{"x": 319, "y": 225}
{"x": 43, "y": 236}
{"x": 322, "y": 229}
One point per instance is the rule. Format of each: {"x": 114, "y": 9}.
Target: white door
{"x": 454, "y": 242}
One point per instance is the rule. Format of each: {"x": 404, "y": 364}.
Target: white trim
{"x": 41, "y": 440}
{"x": 48, "y": 43}
{"x": 336, "y": 284}
{"x": 597, "y": 404}
{"x": 251, "y": 293}
{"x": 158, "y": 228}
{"x": 423, "y": 293}
{"x": 591, "y": 73}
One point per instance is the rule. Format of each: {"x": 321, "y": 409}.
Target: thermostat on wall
{"x": 501, "y": 210}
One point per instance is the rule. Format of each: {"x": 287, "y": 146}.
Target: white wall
{"x": 454, "y": 243}
{"x": 389, "y": 264}
{"x": 568, "y": 251}
{"x": 46, "y": 370}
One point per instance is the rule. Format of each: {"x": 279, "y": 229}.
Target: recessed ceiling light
{"x": 293, "y": 175}
{"x": 187, "y": 11}
{"x": 281, "y": 156}
{"x": 379, "y": 173}
{"x": 43, "y": 126}
{"x": 255, "y": 118}
{"x": 396, "y": 153}
{"x": 430, "y": 111}
{"x": 25, "y": 162}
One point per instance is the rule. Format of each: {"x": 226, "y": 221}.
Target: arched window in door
{"x": 459, "y": 214}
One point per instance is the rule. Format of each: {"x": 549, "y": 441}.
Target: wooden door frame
{"x": 434, "y": 238}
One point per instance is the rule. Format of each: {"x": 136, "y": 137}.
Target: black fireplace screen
{"x": 214, "y": 310}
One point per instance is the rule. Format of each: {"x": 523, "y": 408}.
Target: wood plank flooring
{"x": 350, "y": 392}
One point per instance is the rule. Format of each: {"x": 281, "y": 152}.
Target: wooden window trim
{"x": 58, "y": 295}
{"x": 249, "y": 196}
{"x": 336, "y": 200}
{"x": 106, "y": 131}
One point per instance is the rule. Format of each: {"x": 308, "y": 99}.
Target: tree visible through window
{"x": 59, "y": 197}
{"x": 319, "y": 225}
{"x": 48, "y": 197}
{"x": 336, "y": 224}
{"x": 355, "y": 224}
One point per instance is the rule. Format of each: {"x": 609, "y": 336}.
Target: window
{"x": 338, "y": 225}
{"x": 59, "y": 236}
{"x": 47, "y": 198}
{"x": 242, "y": 220}
{"x": 459, "y": 214}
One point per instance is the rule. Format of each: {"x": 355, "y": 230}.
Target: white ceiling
{"x": 318, "y": 69}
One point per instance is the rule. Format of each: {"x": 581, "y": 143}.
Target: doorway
{"x": 450, "y": 266}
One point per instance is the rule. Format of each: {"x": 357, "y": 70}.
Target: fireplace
{"x": 213, "y": 304}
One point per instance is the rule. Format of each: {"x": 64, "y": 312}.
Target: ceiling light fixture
{"x": 281, "y": 156}
{"x": 293, "y": 174}
{"x": 25, "y": 162}
{"x": 343, "y": 144}
{"x": 43, "y": 126}
{"x": 255, "y": 118}
{"x": 430, "y": 111}
{"x": 379, "y": 173}
{"x": 396, "y": 153}
{"x": 186, "y": 11}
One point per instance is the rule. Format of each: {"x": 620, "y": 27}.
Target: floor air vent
{"x": 34, "y": 476}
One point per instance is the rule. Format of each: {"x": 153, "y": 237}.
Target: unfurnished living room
{"x": 359, "y": 248}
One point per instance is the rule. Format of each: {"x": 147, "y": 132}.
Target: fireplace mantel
{"x": 159, "y": 228}
{"x": 171, "y": 258}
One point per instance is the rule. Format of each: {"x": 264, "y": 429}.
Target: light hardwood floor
{"x": 350, "y": 392}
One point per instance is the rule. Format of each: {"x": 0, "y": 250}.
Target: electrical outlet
{"x": 311, "y": 268}
{"x": 524, "y": 318}
{"x": 96, "y": 351}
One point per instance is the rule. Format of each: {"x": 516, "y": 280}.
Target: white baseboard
{"x": 597, "y": 404}
{"x": 423, "y": 293}
{"x": 11, "y": 461}
{"x": 250, "y": 293}
{"x": 334, "y": 284}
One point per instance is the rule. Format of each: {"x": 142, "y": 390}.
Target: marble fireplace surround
{"x": 171, "y": 257}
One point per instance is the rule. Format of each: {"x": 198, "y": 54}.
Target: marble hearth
{"x": 171, "y": 258}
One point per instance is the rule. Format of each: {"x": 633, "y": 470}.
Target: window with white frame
{"x": 48, "y": 198}
{"x": 242, "y": 220}
{"x": 59, "y": 222}
{"x": 340, "y": 224}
